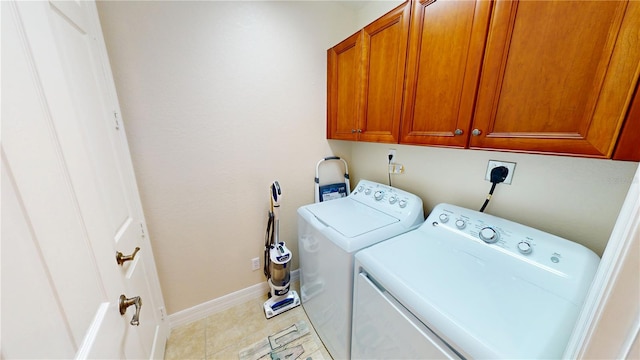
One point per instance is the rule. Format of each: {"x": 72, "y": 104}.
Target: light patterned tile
{"x": 225, "y": 354}
{"x": 242, "y": 324}
{"x": 187, "y": 342}
{"x": 223, "y": 335}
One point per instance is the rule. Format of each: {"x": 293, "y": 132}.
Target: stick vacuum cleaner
{"x": 276, "y": 262}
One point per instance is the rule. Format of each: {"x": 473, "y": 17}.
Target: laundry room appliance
{"x": 469, "y": 285}
{"x": 329, "y": 234}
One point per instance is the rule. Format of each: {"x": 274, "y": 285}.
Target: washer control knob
{"x": 403, "y": 203}
{"x": 378, "y": 195}
{"x": 393, "y": 199}
{"x": 461, "y": 224}
{"x": 488, "y": 235}
{"x": 524, "y": 247}
{"x": 360, "y": 188}
{"x": 444, "y": 217}
{"x": 368, "y": 191}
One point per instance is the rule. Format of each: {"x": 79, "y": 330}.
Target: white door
{"x": 69, "y": 199}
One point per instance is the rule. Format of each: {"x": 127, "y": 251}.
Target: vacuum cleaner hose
{"x": 267, "y": 244}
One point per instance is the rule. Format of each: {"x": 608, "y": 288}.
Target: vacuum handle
{"x": 276, "y": 197}
{"x": 276, "y": 194}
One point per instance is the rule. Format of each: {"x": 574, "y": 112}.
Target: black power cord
{"x": 498, "y": 175}
{"x": 390, "y": 157}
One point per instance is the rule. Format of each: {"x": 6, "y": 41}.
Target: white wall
{"x": 219, "y": 99}
{"x": 575, "y": 198}
{"x": 368, "y": 11}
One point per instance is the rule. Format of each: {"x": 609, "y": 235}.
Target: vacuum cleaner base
{"x": 279, "y": 304}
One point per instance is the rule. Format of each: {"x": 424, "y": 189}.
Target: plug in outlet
{"x": 494, "y": 163}
{"x": 255, "y": 263}
{"x": 392, "y": 154}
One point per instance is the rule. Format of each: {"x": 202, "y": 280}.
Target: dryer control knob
{"x": 378, "y": 195}
{"x": 488, "y": 235}
{"x": 461, "y": 224}
{"x": 368, "y": 191}
{"x": 444, "y": 217}
{"x": 524, "y": 247}
{"x": 360, "y": 188}
{"x": 402, "y": 203}
{"x": 393, "y": 199}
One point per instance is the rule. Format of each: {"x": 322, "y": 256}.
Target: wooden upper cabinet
{"x": 385, "y": 52}
{"x": 343, "y": 77}
{"x": 446, "y": 46}
{"x": 557, "y": 76}
{"x": 628, "y": 147}
{"x": 365, "y": 80}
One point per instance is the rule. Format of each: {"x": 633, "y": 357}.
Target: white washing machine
{"x": 329, "y": 234}
{"x": 469, "y": 285}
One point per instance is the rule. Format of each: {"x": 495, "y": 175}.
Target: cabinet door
{"x": 557, "y": 76}
{"x": 343, "y": 79}
{"x": 385, "y": 51}
{"x": 445, "y": 53}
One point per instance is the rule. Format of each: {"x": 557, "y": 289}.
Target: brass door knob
{"x": 121, "y": 259}
{"x": 125, "y": 303}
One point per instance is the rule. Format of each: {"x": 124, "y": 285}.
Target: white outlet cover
{"x": 395, "y": 168}
{"x": 392, "y": 152}
{"x": 255, "y": 263}
{"x": 495, "y": 163}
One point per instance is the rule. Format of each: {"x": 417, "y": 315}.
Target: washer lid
{"x": 349, "y": 217}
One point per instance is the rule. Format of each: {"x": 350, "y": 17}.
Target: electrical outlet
{"x": 392, "y": 153}
{"x": 396, "y": 168}
{"x": 255, "y": 263}
{"x": 495, "y": 163}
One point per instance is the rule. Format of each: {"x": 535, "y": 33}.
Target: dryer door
{"x": 384, "y": 329}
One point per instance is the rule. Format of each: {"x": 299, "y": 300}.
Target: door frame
{"x": 603, "y": 307}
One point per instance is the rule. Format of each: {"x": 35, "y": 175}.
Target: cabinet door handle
{"x": 121, "y": 259}
{"x": 125, "y": 303}
{"x": 458, "y": 132}
{"x": 476, "y": 132}
{"x": 359, "y": 130}
{"x": 353, "y": 131}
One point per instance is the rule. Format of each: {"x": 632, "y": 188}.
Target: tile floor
{"x": 223, "y": 335}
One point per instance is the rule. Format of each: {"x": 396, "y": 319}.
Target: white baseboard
{"x": 222, "y": 303}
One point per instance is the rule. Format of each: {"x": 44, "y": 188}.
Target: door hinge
{"x": 162, "y": 314}
{"x": 115, "y": 118}
{"x": 141, "y": 230}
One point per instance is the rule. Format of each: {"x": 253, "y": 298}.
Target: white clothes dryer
{"x": 329, "y": 234}
{"x": 469, "y": 285}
